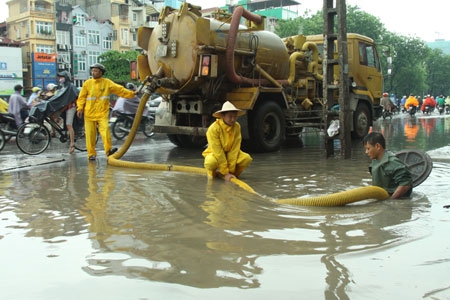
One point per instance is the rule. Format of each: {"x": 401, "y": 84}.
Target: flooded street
{"x": 73, "y": 229}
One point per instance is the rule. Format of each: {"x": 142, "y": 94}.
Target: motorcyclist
{"x": 447, "y": 100}
{"x": 440, "y": 101}
{"x": 129, "y": 106}
{"x": 386, "y": 102}
{"x": 402, "y": 103}
{"x": 34, "y": 97}
{"x": 411, "y": 102}
{"x": 429, "y": 101}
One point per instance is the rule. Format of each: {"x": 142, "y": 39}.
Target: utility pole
{"x": 332, "y": 83}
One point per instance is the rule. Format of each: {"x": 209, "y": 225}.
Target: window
{"x": 124, "y": 36}
{"x": 93, "y": 37}
{"x": 79, "y": 19}
{"x": 79, "y": 40}
{"x": 93, "y": 57}
{"x": 63, "y": 37}
{"x": 107, "y": 43}
{"x": 44, "y": 28}
{"x": 44, "y": 49}
{"x": 371, "y": 57}
{"x": 368, "y": 56}
{"x": 82, "y": 63}
{"x": 64, "y": 57}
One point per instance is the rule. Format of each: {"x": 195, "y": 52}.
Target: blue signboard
{"x": 44, "y": 69}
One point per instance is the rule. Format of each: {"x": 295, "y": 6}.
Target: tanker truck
{"x": 197, "y": 63}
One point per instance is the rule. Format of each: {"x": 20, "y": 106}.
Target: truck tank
{"x": 177, "y": 44}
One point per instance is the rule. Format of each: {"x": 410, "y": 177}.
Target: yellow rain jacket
{"x": 3, "y": 106}
{"x": 94, "y": 97}
{"x": 224, "y": 143}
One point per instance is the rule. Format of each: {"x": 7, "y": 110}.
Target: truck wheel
{"x": 361, "y": 122}
{"x": 187, "y": 141}
{"x": 266, "y": 128}
{"x": 173, "y": 138}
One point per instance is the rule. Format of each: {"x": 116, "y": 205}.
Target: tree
{"x": 437, "y": 66}
{"x": 413, "y": 71}
{"x": 358, "y": 21}
{"x": 118, "y": 64}
{"x": 408, "y": 72}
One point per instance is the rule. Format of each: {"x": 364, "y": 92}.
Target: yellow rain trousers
{"x": 93, "y": 100}
{"x": 224, "y": 152}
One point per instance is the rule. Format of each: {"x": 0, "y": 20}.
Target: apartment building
{"x": 71, "y": 34}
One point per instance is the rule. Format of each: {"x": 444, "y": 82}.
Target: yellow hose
{"x": 341, "y": 198}
{"x": 336, "y": 199}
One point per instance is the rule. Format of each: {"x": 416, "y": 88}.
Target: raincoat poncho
{"x": 64, "y": 97}
{"x": 223, "y": 153}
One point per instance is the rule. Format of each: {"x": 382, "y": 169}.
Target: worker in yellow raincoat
{"x": 93, "y": 102}
{"x": 3, "y": 106}
{"x": 224, "y": 157}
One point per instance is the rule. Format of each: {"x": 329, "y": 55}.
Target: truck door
{"x": 370, "y": 69}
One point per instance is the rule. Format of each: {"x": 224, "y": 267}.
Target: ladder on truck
{"x": 330, "y": 14}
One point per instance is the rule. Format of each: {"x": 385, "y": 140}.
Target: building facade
{"x": 71, "y": 34}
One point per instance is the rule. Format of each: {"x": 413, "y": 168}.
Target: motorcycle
{"x": 447, "y": 108}
{"x": 412, "y": 110}
{"x": 122, "y": 124}
{"x": 428, "y": 109}
{"x": 8, "y": 125}
{"x": 441, "y": 109}
{"x": 386, "y": 114}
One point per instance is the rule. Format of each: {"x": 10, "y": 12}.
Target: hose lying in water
{"x": 336, "y": 199}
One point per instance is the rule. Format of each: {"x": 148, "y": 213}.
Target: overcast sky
{"x": 425, "y": 20}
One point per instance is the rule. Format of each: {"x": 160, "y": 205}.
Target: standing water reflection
{"x": 118, "y": 233}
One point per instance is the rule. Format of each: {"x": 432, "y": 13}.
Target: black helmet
{"x": 99, "y": 66}
{"x": 64, "y": 74}
{"x": 130, "y": 86}
{"x": 18, "y": 87}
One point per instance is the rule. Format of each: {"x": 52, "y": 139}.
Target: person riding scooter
{"x": 428, "y": 104}
{"x": 411, "y": 104}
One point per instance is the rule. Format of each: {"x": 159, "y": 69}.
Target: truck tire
{"x": 266, "y": 128}
{"x": 188, "y": 141}
{"x": 361, "y": 121}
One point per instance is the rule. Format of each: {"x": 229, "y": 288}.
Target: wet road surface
{"x": 73, "y": 229}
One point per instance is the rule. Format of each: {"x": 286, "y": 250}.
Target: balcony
{"x": 39, "y": 12}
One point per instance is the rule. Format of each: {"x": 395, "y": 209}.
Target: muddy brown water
{"x": 77, "y": 230}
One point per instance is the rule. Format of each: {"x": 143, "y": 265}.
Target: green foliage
{"x": 118, "y": 65}
{"x": 359, "y": 21}
{"x": 437, "y": 67}
{"x": 415, "y": 67}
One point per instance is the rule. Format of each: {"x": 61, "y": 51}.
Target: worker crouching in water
{"x": 224, "y": 157}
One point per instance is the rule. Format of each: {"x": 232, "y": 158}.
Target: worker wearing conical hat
{"x": 224, "y": 156}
